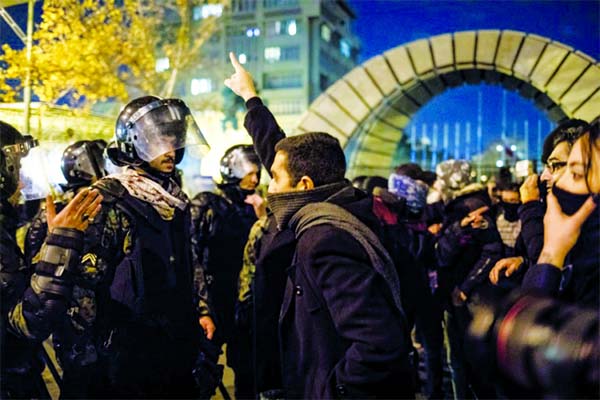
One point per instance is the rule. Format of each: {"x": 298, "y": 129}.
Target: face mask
{"x": 511, "y": 211}
{"x": 543, "y": 188}
{"x": 569, "y": 202}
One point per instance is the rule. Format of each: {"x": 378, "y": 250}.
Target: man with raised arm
{"x": 341, "y": 325}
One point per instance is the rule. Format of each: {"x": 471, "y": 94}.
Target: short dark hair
{"x": 317, "y": 155}
{"x": 375, "y": 181}
{"x": 568, "y": 131}
{"x": 412, "y": 170}
{"x": 509, "y": 186}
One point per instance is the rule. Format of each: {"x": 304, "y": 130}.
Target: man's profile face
{"x": 281, "y": 180}
{"x": 164, "y": 163}
{"x": 250, "y": 180}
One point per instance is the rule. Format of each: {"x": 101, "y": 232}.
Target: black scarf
{"x": 285, "y": 205}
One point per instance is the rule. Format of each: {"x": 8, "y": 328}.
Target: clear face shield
{"x": 163, "y": 126}
{"x": 239, "y": 165}
{"x": 40, "y": 172}
{"x": 14, "y": 153}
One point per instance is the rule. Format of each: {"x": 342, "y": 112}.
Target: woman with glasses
{"x": 568, "y": 265}
{"x": 555, "y": 153}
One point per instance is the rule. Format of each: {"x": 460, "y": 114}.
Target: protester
{"x": 466, "y": 250}
{"x": 572, "y": 228}
{"x": 342, "y": 328}
{"x": 556, "y": 149}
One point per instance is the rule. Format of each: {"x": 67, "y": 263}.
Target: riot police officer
{"x": 33, "y": 304}
{"x": 222, "y": 222}
{"x": 141, "y": 303}
{"x": 82, "y": 164}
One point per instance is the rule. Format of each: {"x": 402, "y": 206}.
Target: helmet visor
{"x": 40, "y": 172}
{"x": 163, "y": 126}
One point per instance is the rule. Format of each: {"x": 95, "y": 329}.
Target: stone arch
{"x": 373, "y": 103}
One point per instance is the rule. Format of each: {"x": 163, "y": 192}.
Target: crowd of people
{"x": 324, "y": 288}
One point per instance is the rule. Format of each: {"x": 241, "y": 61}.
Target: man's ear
{"x": 305, "y": 183}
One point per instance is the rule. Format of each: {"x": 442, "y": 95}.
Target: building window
{"x": 243, "y": 6}
{"x": 276, "y": 53}
{"x": 290, "y": 53}
{"x": 335, "y": 39}
{"x": 269, "y": 4}
{"x": 287, "y": 27}
{"x": 242, "y": 58}
{"x": 345, "y": 48}
{"x": 207, "y": 10}
{"x": 162, "y": 64}
{"x": 325, "y": 33}
{"x": 202, "y": 85}
{"x": 241, "y": 39}
{"x": 323, "y": 82}
{"x": 283, "y": 80}
{"x": 291, "y": 28}
{"x": 272, "y": 54}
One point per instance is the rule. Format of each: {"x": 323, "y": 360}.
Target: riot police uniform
{"x": 222, "y": 223}
{"x": 135, "y": 331}
{"x": 31, "y": 303}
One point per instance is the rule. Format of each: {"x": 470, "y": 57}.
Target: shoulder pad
{"x": 110, "y": 188}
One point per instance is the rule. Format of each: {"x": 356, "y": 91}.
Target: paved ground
{"x": 228, "y": 378}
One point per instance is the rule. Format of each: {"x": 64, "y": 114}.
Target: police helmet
{"x": 83, "y": 161}
{"x": 149, "y": 126}
{"x": 13, "y": 147}
{"x": 237, "y": 162}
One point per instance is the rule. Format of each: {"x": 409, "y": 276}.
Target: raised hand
{"x": 258, "y": 203}
{"x": 241, "y": 81}
{"x": 529, "y": 190}
{"x": 561, "y": 231}
{"x": 77, "y": 214}
{"x": 474, "y": 218}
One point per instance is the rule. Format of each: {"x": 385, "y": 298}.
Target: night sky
{"x": 382, "y": 25}
{"x": 385, "y": 24}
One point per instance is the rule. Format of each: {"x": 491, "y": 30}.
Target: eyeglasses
{"x": 555, "y": 166}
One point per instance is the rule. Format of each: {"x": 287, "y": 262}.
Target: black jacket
{"x": 531, "y": 215}
{"x": 340, "y": 334}
{"x": 220, "y": 228}
{"x": 134, "y": 303}
{"x": 465, "y": 256}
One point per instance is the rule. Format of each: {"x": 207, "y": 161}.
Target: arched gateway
{"x": 375, "y": 101}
